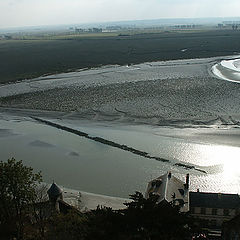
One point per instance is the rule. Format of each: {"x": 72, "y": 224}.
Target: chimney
{"x": 219, "y": 195}
{"x": 187, "y": 181}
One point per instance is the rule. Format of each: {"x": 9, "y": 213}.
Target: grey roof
{"x": 54, "y": 190}
{"x": 214, "y": 200}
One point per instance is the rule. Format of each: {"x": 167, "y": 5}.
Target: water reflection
{"x": 82, "y": 164}
{"x": 222, "y": 164}
{"x": 209, "y": 155}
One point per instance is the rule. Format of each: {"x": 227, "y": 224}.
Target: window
{"x": 225, "y": 212}
{"x": 214, "y": 211}
{"x": 203, "y": 210}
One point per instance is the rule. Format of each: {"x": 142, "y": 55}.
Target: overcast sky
{"x": 15, "y": 13}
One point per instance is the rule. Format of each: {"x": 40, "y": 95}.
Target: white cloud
{"x": 46, "y": 12}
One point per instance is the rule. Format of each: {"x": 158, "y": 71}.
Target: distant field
{"x": 21, "y": 59}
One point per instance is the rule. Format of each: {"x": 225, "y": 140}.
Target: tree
{"x": 142, "y": 219}
{"x": 41, "y": 210}
{"x": 17, "y": 192}
{"x": 148, "y": 219}
{"x": 105, "y": 223}
{"x": 70, "y": 226}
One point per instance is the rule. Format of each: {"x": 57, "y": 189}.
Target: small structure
{"x": 55, "y": 195}
{"x": 214, "y": 207}
{"x": 171, "y": 190}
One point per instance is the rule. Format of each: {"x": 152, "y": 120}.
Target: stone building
{"x": 217, "y": 208}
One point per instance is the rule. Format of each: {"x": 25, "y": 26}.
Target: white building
{"x": 171, "y": 190}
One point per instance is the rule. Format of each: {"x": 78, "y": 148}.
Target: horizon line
{"x": 116, "y": 21}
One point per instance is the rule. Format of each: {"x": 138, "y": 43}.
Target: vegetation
{"x": 21, "y": 59}
{"x": 25, "y": 214}
{"x": 17, "y": 192}
{"x": 142, "y": 219}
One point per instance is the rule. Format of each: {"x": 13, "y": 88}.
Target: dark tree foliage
{"x": 21, "y": 200}
{"x": 70, "y": 226}
{"x": 17, "y": 192}
{"x": 147, "y": 219}
{"x": 142, "y": 219}
{"x": 105, "y": 223}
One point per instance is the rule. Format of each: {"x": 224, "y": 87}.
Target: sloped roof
{"x": 54, "y": 190}
{"x": 169, "y": 188}
{"x": 214, "y": 200}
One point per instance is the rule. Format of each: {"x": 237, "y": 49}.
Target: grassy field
{"x": 21, "y": 59}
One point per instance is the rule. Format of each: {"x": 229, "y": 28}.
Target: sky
{"x": 18, "y": 13}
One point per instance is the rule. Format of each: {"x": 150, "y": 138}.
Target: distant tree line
{"x": 90, "y": 30}
{"x": 234, "y": 27}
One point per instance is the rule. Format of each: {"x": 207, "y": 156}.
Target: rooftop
{"x": 170, "y": 188}
{"x": 214, "y": 200}
{"x": 54, "y": 190}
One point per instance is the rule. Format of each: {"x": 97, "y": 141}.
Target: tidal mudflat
{"x": 175, "y": 110}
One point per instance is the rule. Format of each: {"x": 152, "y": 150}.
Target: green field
{"x": 21, "y": 59}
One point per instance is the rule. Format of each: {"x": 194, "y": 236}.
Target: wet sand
{"x": 175, "y": 110}
{"x": 180, "y": 93}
